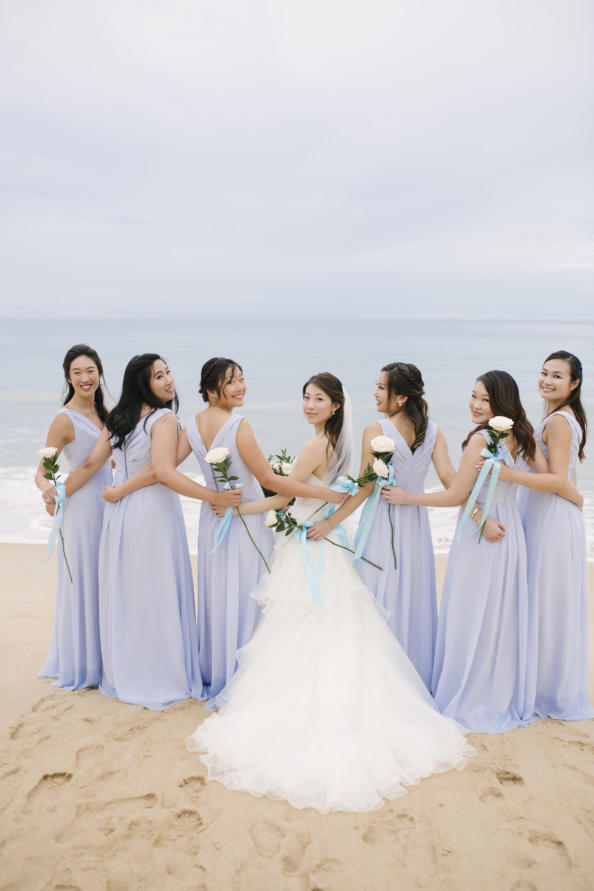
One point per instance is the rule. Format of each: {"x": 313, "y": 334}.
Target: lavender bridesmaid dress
{"x": 408, "y": 592}
{"x": 227, "y": 614}
{"x": 74, "y": 657}
{"x": 479, "y": 675}
{"x": 556, "y": 544}
{"x": 146, "y": 590}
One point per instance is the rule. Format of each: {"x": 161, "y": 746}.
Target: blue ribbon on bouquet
{"x": 58, "y": 514}
{"x": 313, "y": 568}
{"x": 368, "y": 513}
{"x": 493, "y": 463}
{"x": 223, "y": 527}
{"x": 343, "y": 484}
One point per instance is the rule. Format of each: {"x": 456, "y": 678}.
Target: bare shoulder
{"x": 372, "y": 430}
{"x": 61, "y": 430}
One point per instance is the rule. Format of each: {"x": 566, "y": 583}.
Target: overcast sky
{"x": 204, "y": 157}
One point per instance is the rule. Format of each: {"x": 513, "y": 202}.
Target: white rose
{"x": 216, "y": 456}
{"x": 501, "y": 424}
{"x": 270, "y": 519}
{"x": 382, "y": 444}
{"x": 48, "y": 452}
{"x": 380, "y": 468}
{"x": 276, "y": 466}
{"x": 286, "y": 468}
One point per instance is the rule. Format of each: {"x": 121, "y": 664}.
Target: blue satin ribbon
{"x": 368, "y": 513}
{"x": 313, "y": 569}
{"x": 223, "y": 527}
{"x": 493, "y": 463}
{"x": 343, "y": 484}
{"x": 58, "y": 514}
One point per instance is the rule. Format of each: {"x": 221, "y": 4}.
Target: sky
{"x": 207, "y": 158}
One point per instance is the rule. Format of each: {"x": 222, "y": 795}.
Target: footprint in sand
{"x": 44, "y": 793}
{"x": 325, "y": 875}
{"x": 294, "y": 848}
{"x": 547, "y": 846}
{"x": 508, "y": 777}
{"x": 267, "y": 838}
{"x": 490, "y": 792}
{"x": 580, "y": 774}
{"x": 88, "y": 753}
{"x": 52, "y": 703}
{"x": 106, "y": 812}
{"x": 391, "y": 827}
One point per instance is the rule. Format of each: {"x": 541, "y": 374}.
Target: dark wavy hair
{"x": 136, "y": 392}
{"x": 504, "y": 399}
{"x": 214, "y": 373}
{"x": 405, "y": 379}
{"x": 332, "y": 387}
{"x": 574, "y": 398}
{"x": 83, "y": 349}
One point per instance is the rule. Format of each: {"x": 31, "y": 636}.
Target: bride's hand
{"x": 394, "y": 495}
{"x": 319, "y": 530}
{"x": 333, "y": 497}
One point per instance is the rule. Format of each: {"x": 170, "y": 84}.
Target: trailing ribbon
{"x": 225, "y": 523}
{"x": 368, "y": 513}
{"x": 313, "y": 570}
{"x": 493, "y": 463}
{"x": 343, "y": 484}
{"x": 58, "y": 514}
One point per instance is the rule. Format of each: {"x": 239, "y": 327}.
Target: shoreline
{"x": 99, "y": 794}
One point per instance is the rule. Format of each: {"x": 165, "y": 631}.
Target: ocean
{"x": 277, "y": 357}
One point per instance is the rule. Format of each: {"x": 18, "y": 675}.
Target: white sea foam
{"x": 24, "y": 520}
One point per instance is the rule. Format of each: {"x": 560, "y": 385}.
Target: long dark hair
{"x": 332, "y": 387}
{"x": 82, "y": 349}
{"x": 405, "y": 379}
{"x": 504, "y": 399}
{"x": 213, "y": 374}
{"x": 574, "y": 398}
{"x": 136, "y": 392}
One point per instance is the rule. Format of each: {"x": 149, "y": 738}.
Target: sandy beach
{"x": 96, "y": 794}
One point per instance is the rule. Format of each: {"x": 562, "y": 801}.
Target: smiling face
{"x": 234, "y": 388}
{"x": 161, "y": 382}
{"x": 480, "y": 407}
{"x": 83, "y": 375}
{"x": 554, "y": 381}
{"x": 317, "y": 405}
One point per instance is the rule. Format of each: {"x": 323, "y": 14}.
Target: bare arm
{"x": 557, "y": 479}
{"x": 290, "y": 486}
{"x": 81, "y": 474}
{"x": 60, "y": 433}
{"x": 164, "y": 459}
{"x": 146, "y": 476}
{"x": 459, "y": 490}
{"x": 442, "y": 461}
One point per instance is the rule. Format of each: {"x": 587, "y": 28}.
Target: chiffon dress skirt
{"x": 558, "y": 684}
{"x": 325, "y": 711}
{"x": 480, "y": 671}
{"x": 227, "y": 614}
{"x": 407, "y": 591}
{"x": 74, "y": 657}
{"x": 146, "y": 591}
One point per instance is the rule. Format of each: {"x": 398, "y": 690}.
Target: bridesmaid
{"x": 227, "y": 576}
{"x": 556, "y": 544}
{"x": 74, "y": 658}
{"x": 146, "y": 595}
{"x": 481, "y": 654}
{"x": 407, "y": 591}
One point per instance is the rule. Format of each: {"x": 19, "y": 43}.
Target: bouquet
{"x": 284, "y": 521}
{"x": 49, "y": 455}
{"x": 220, "y": 461}
{"x": 494, "y": 452}
{"x": 281, "y": 464}
{"x": 380, "y": 472}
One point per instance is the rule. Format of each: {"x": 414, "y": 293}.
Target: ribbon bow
{"x": 343, "y": 484}
{"x": 313, "y": 568}
{"x": 368, "y": 513}
{"x": 225, "y": 523}
{"x": 58, "y": 514}
{"x": 493, "y": 463}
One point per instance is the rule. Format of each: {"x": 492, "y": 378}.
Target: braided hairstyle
{"x": 405, "y": 379}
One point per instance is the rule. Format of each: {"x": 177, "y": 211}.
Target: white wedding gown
{"x": 326, "y": 710}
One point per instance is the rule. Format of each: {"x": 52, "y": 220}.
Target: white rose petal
{"x": 286, "y": 468}
{"x": 382, "y": 444}
{"x": 48, "y": 452}
{"x": 501, "y": 424}
{"x": 276, "y": 466}
{"x": 380, "y": 468}
{"x": 270, "y": 519}
{"x": 216, "y": 456}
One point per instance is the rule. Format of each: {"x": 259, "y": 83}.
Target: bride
{"x": 325, "y": 710}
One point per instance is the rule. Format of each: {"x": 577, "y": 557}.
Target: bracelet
{"x": 474, "y": 513}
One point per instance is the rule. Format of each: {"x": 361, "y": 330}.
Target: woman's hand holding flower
{"x": 395, "y": 495}
{"x": 227, "y": 498}
{"x": 493, "y": 530}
